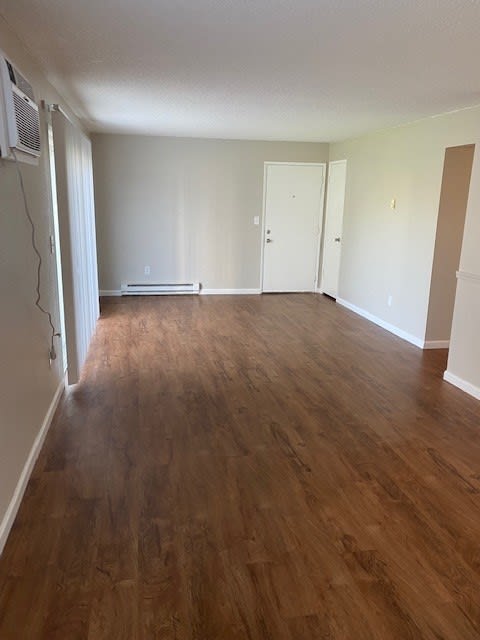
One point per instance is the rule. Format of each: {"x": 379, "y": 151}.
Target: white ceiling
{"x": 318, "y": 70}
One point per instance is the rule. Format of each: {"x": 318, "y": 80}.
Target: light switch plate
{"x": 256, "y": 220}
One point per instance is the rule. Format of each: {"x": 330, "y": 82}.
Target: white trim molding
{"x": 229, "y": 292}
{"x": 436, "y": 344}
{"x": 12, "y": 509}
{"x": 381, "y": 323}
{"x": 471, "y": 277}
{"x": 462, "y": 384}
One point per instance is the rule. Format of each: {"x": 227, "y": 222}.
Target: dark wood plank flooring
{"x": 250, "y": 468}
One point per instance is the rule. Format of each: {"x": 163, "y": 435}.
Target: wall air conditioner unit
{"x": 19, "y": 117}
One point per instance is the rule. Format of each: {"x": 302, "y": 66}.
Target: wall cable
{"x": 38, "y": 302}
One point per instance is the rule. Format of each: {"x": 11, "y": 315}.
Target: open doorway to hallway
{"x": 457, "y": 170}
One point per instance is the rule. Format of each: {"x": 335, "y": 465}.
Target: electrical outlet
{"x": 147, "y": 270}
{"x": 389, "y": 301}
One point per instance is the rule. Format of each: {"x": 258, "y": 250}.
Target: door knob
{"x": 269, "y": 239}
{"x": 337, "y": 239}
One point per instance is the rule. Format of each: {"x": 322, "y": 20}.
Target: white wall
{"x": 184, "y": 207}
{"x": 387, "y": 252}
{"x": 27, "y": 383}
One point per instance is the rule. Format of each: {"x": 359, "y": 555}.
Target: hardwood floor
{"x": 250, "y": 468}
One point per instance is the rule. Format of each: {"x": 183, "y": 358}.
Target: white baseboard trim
{"x": 381, "y": 323}
{"x": 468, "y": 387}
{"x": 109, "y": 293}
{"x": 436, "y": 344}
{"x": 229, "y": 292}
{"x": 9, "y": 517}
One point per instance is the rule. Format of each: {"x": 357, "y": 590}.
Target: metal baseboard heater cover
{"x": 156, "y": 289}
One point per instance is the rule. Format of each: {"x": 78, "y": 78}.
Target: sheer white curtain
{"x": 76, "y": 220}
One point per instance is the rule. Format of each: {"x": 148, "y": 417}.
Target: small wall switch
{"x": 256, "y": 220}
{"x": 390, "y": 301}
{"x": 147, "y": 270}
{"x": 393, "y": 204}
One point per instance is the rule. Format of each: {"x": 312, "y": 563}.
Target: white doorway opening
{"x": 457, "y": 169}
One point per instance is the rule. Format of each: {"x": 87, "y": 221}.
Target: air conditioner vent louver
{"x": 19, "y": 117}
{"x": 27, "y": 124}
{"x": 24, "y": 86}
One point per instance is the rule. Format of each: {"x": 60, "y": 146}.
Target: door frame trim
{"x": 321, "y": 215}
{"x": 343, "y": 161}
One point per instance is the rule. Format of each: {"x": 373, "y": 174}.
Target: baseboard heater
{"x": 138, "y": 289}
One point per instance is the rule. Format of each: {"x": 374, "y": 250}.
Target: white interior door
{"x": 293, "y": 218}
{"x": 332, "y": 245}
